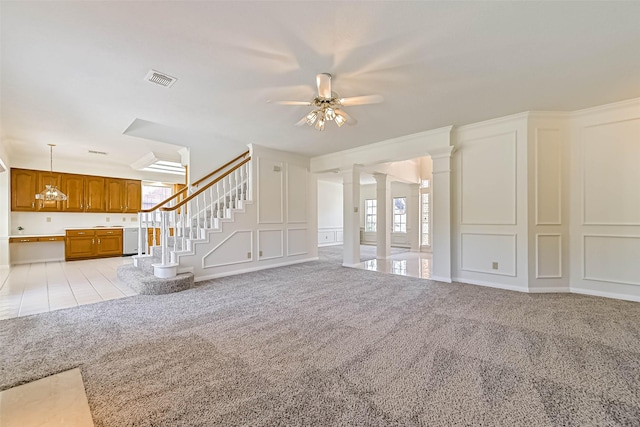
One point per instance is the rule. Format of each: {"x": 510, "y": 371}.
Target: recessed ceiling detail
{"x": 159, "y": 78}
{"x": 152, "y": 162}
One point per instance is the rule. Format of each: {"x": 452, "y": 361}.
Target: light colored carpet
{"x": 317, "y": 344}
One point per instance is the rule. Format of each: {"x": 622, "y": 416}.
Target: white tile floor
{"x": 37, "y": 288}
{"x": 414, "y": 264}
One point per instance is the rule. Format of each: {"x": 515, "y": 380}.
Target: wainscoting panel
{"x": 480, "y": 251}
{"x": 330, "y": 236}
{"x": 609, "y": 258}
{"x": 235, "y": 249}
{"x": 270, "y": 191}
{"x": 270, "y": 243}
{"x": 548, "y": 178}
{"x": 610, "y": 159}
{"x": 297, "y": 193}
{"x": 488, "y": 180}
{"x": 548, "y": 256}
{"x": 296, "y": 241}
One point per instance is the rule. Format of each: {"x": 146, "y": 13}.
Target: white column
{"x": 5, "y": 216}
{"x": 441, "y": 205}
{"x": 413, "y": 217}
{"x": 384, "y": 216}
{"x": 351, "y": 216}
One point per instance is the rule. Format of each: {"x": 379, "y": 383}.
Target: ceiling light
{"x": 51, "y": 192}
{"x": 340, "y": 119}
{"x": 311, "y": 117}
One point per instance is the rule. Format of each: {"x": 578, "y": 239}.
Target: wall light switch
{"x": 355, "y": 210}
{"x": 277, "y": 168}
{"x": 124, "y": 219}
{"x": 248, "y": 255}
{"x": 494, "y": 265}
{"x": 48, "y": 219}
{"x": 108, "y": 219}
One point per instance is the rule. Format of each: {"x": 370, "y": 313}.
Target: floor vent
{"x": 160, "y": 78}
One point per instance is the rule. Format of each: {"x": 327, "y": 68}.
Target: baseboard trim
{"x": 634, "y": 298}
{"x": 252, "y": 269}
{"x": 38, "y": 261}
{"x": 550, "y": 290}
{"x": 331, "y": 244}
{"x": 490, "y": 285}
{"x": 441, "y": 279}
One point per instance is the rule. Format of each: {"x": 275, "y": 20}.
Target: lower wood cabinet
{"x": 93, "y": 243}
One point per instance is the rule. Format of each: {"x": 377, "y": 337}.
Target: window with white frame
{"x": 370, "y": 212}
{"x": 425, "y": 213}
{"x": 154, "y": 193}
{"x": 399, "y": 214}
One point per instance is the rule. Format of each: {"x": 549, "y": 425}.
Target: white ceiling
{"x": 72, "y": 71}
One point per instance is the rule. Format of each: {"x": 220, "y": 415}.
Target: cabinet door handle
{"x": 81, "y": 232}
{"x": 81, "y": 205}
{"x": 93, "y": 241}
{"x": 98, "y": 241}
{"x": 33, "y": 204}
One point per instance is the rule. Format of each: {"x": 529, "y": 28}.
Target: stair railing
{"x": 151, "y": 219}
{"x": 204, "y": 209}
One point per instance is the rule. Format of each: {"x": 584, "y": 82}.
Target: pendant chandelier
{"x": 51, "y": 192}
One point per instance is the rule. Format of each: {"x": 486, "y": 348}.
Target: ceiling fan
{"x": 328, "y": 105}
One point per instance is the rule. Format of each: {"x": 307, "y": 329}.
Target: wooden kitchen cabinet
{"x": 73, "y": 187}
{"x": 114, "y": 194}
{"x": 93, "y": 243}
{"x": 94, "y": 200}
{"x": 133, "y": 196}
{"x": 23, "y": 189}
{"x": 44, "y": 179}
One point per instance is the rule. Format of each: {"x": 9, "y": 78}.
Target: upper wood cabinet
{"x": 114, "y": 194}
{"x": 48, "y": 178}
{"x": 94, "y": 194}
{"x": 85, "y": 193}
{"x": 23, "y": 189}
{"x": 133, "y": 196}
{"x": 73, "y": 187}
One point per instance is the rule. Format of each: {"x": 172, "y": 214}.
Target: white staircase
{"x": 179, "y": 223}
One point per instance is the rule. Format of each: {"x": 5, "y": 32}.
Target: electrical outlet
{"x": 133, "y": 219}
{"x": 48, "y": 219}
{"x": 124, "y": 219}
{"x": 248, "y": 255}
{"x": 108, "y": 219}
{"x": 494, "y": 265}
{"x": 260, "y": 253}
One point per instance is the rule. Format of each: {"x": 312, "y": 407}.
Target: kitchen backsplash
{"x": 57, "y": 222}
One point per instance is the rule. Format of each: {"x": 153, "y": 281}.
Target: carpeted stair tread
{"x": 145, "y": 283}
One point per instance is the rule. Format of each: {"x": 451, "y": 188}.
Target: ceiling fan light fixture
{"x": 339, "y": 119}
{"x": 311, "y": 117}
{"x": 330, "y": 114}
{"x": 320, "y": 124}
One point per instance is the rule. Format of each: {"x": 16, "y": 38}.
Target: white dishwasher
{"x": 130, "y": 241}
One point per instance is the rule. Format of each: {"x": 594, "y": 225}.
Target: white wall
{"x": 605, "y": 201}
{"x": 278, "y": 227}
{"x": 330, "y": 218}
{"x": 5, "y": 206}
{"x": 490, "y": 204}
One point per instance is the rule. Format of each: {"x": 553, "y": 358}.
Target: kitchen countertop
{"x": 27, "y": 236}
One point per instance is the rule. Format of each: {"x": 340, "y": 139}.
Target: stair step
{"x": 147, "y": 284}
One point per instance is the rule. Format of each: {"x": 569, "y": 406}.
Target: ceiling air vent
{"x": 160, "y": 78}
{"x": 97, "y": 152}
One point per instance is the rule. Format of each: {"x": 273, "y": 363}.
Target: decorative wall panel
{"x": 548, "y": 177}
{"x": 548, "y": 256}
{"x": 610, "y": 165}
{"x": 297, "y": 193}
{"x": 235, "y": 249}
{"x": 270, "y": 244}
{"x": 488, "y": 180}
{"x": 612, "y": 258}
{"x": 270, "y": 191}
{"x": 489, "y": 253}
{"x": 296, "y": 241}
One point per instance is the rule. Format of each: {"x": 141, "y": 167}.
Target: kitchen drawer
{"x": 109, "y": 232}
{"x": 51, "y": 239}
{"x": 79, "y": 233}
{"x": 23, "y": 239}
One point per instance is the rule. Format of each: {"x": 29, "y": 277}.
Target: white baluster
{"x": 238, "y": 181}
{"x": 211, "y": 207}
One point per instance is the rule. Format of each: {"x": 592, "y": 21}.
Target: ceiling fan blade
{"x": 302, "y": 121}
{"x": 324, "y": 85}
{"x": 362, "y": 100}
{"x": 307, "y": 103}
